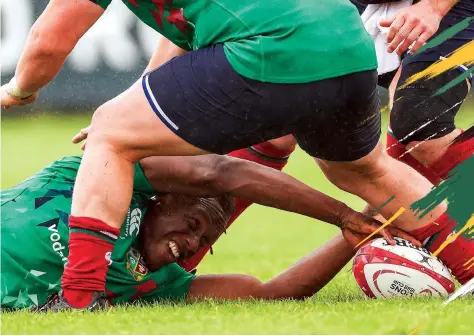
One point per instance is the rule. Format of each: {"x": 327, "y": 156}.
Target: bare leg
{"x": 430, "y": 151}
{"x": 105, "y": 178}
{"x": 122, "y": 132}
{"x": 377, "y": 177}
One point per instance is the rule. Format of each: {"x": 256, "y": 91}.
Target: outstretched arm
{"x": 300, "y": 281}
{"x": 51, "y": 39}
{"x": 214, "y": 175}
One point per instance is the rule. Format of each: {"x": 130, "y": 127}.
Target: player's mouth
{"x": 174, "y": 249}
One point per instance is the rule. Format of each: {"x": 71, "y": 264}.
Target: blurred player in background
{"x": 255, "y": 73}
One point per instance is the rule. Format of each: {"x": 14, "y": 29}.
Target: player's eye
{"x": 193, "y": 224}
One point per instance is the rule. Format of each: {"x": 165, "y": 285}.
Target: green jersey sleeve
{"x": 102, "y": 3}
{"x": 175, "y": 288}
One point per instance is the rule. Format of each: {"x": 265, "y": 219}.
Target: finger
{"x": 86, "y": 130}
{"x": 420, "y": 42}
{"x": 401, "y": 35}
{"x": 82, "y": 135}
{"x": 370, "y": 226}
{"x": 83, "y": 147}
{"x": 402, "y": 234}
{"x": 386, "y": 234}
{"x": 387, "y": 22}
{"x": 77, "y": 138}
{"x": 396, "y": 25}
{"x": 374, "y": 221}
{"x": 412, "y": 37}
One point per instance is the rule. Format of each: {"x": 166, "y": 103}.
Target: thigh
{"x": 419, "y": 112}
{"x": 346, "y": 124}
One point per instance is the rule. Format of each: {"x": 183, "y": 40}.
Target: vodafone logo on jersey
{"x": 134, "y": 219}
{"x": 57, "y": 243}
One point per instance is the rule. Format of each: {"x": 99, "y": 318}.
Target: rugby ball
{"x": 382, "y": 270}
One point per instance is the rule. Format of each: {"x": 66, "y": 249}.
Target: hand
{"x": 417, "y": 23}
{"x": 81, "y": 136}
{"x": 356, "y": 227}
{"x": 8, "y": 100}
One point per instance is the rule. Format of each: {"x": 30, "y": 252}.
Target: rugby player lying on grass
{"x": 35, "y": 231}
{"x": 143, "y": 266}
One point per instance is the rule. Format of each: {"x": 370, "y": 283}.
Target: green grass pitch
{"x": 263, "y": 242}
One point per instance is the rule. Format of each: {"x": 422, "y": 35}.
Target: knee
{"x": 97, "y": 130}
{"x": 105, "y": 115}
{"x": 102, "y": 130}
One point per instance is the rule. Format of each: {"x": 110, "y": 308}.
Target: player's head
{"x": 175, "y": 227}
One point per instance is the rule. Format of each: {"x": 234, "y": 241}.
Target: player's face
{"x": 176, "y": 227}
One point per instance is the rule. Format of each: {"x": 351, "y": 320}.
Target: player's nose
{"x": 192, "y": 244}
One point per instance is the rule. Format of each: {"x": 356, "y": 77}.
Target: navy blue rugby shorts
{"x": 204, "y": 101}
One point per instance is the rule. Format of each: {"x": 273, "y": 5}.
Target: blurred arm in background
{"x": 164, "y": 52}
{"x": 50, "y": 41}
